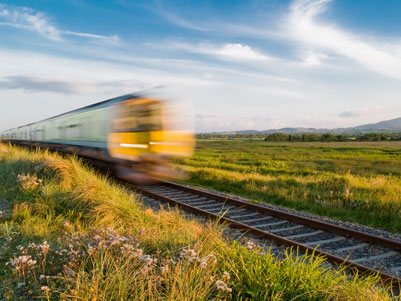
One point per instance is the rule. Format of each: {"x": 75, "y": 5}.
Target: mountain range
{"x": 393, "y": 125}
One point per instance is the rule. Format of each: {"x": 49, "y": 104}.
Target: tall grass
{"x": 73, "y": 234}
{"x": 345, "y": 181}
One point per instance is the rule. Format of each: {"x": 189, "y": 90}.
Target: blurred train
{"x": 135, "y": 135}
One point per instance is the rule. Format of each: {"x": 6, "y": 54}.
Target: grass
{"x": 354, "y": 181}
{"x": 69, "y": 233}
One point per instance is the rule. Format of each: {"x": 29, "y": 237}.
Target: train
{"x": 136, "y": 135}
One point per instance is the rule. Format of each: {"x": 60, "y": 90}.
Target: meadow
{"x": 350, "y": 181}
{"x": 69, "y": 233}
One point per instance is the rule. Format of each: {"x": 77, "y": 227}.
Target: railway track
{"x": 359, "y": 251}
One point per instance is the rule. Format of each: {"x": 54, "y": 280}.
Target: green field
{"x": 351, "y": 181}
{"x": 67, "y": 233}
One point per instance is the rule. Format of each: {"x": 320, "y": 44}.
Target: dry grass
{"x": 75, "y": 235}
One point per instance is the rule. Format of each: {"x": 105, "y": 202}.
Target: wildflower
{"x": 28, "y": 182}
{"x": 22, "y": 262}
{"x": 164, "y": 269}
{"x": 147, "y": 260}
{"x": 188, "y": 254}
{"x": 222, "y": 286}
{"x": 203, "y": 264}
{"x": 45, "y": 289}
{"x": 250, "y": 245}
{"x": 206, "y": 260}
{"x": 42, "y": 277}
{"x": 91, "y": 250}
{"x": 226, "y": 276}
{"x": 44, "y": 247}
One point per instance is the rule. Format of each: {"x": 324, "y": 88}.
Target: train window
{"x": 138, "y": 118}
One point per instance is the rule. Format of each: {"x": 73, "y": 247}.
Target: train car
{"x": 135, "y": 134}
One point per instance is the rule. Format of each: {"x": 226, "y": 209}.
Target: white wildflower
{"x": 45, "y": 289}
{"x": 188, "y": 254}
{"x": 164, "y": 269}
{"x": 226, "y": 276}
{"x": 222, "y": 286}
{"x": 250, "y": 245}
{"x": 203, "y": 264}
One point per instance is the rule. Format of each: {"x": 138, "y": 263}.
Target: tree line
{"x": 307, "y": 137}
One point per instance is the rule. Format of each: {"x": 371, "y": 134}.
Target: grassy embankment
{"x": 351, "y": 181}
{"x": 66, "y": 232}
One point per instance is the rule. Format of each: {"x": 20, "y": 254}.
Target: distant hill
{"x": 393, "y": 125}
{"x": 388, "y": 125}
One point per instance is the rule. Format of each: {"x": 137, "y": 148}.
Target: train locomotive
{"x": 134, "y": 134}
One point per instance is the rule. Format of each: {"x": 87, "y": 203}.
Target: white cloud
{"x": 25, "y": 18}
{"x": 313, "y": 59}
{"x": 228, "y": 51}
{"x": 29, "y": 19}
{"x": 303, "y": 26}
{"x": 239, "y": 52}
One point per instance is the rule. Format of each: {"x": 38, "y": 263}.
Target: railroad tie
{"x": 370, "y": 258}
{"x": 211, "y": 205}
{"x": 246, "y": 215}
{"x": 351, "y": 248}
{"x": 238, "y": 210}
{"x": 273, "y": 224}
{"x": 287, "y": 229}
{"x": 197, "y": 202}
{"x": 222, "y": 211}
{"x": 265, "y": 218}
{"x": 324, "y": 241}
{"x": 304, "y": 234}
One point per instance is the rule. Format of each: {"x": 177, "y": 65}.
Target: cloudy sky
{"x": 242, "y": 64}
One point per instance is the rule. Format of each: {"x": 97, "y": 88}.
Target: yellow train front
{"x": 144, "y": 135}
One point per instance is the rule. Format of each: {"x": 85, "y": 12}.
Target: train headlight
{"x": 134, "y": 145}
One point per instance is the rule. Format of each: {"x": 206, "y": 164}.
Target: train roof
{"x": 97, "y": 105}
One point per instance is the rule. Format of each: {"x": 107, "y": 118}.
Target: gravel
{"x": 384, "y": 264}
{"x": 353, "y": 226}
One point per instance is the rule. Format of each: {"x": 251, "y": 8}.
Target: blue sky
{"x": 241, "y": 64}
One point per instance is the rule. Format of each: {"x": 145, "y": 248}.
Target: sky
{"x": 259, "y": 64}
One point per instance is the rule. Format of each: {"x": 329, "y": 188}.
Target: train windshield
{"x": 141, "y": 117}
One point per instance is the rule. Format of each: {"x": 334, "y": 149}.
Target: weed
{"x": 76, "y": 235}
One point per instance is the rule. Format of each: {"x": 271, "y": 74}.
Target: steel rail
{"x": 369, "y": 238}
{"x": 352, "y": 266}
